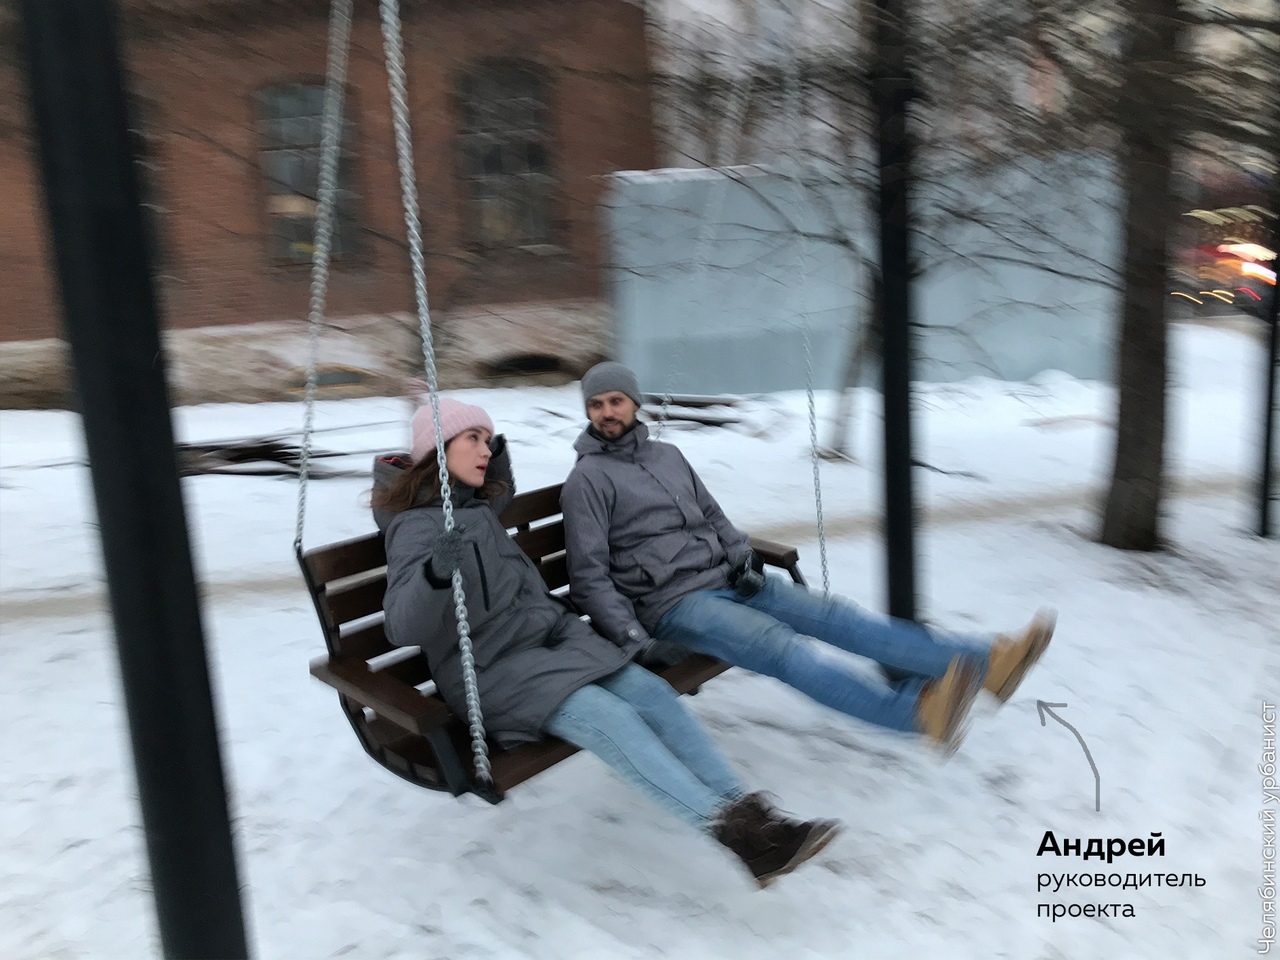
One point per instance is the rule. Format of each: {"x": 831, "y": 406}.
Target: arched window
{"x": 505, "y": 156}
{"x": 290, "y": 120}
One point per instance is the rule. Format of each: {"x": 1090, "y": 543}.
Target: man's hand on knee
{"x": 747, "y": 578}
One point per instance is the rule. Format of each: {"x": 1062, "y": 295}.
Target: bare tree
{"x": 1154, "y": 49}
{"x": 1156, "y": 86}
{"x": 1167, "y": 85}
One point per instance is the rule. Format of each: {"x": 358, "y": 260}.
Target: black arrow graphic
{"x": 1043, "y": 708}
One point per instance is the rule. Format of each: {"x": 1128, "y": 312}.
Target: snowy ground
{"x": 1164, "y": 662}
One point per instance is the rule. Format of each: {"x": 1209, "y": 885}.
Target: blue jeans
{"x": 770, "y": 633}
{"x": 636, "y": 723}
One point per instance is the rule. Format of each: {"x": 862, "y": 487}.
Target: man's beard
{"x": 600, "y": 434}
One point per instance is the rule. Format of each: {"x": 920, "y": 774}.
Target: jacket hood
{"x": 386, "y": 468}
{"x": 389, "y": 466}
{"x": 627, "y": 445}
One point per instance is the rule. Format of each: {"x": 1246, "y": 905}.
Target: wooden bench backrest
{"x": 348, "y": 581}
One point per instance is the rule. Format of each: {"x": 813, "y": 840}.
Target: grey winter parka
{"x": 642, "y": 533}
{"x": 530, "y": 651}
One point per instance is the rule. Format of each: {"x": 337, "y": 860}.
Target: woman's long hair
{"x": 420, "y": 484}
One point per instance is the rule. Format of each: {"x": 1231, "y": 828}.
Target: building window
{"x": 290, "y": 122}
{"x": 505, "y": 156}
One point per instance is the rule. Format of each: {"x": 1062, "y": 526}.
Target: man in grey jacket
{"x": 653, "y": 560}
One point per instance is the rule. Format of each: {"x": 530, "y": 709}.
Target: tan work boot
{"x": 1012, "y": 655}
{"x": 945, "y": 702}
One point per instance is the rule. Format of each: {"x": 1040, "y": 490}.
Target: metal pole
{"x": 893, "y": 90}
{"x": 111, "y": 323}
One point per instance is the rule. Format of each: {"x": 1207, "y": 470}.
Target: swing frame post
{"x": 1266, "y": 525}
{"x": 110, "y": 316}
{"x": 893, "y": 90}
{"x": 1266, "y": 468}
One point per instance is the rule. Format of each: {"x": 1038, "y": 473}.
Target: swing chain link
{"x": 795, "y": 82}
{"x": 330, "y": 149}
{"x": 813, "y": 456}
{"x": 397, "y": 84}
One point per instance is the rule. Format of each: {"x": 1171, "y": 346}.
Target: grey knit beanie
{"x": 607, "y": 377}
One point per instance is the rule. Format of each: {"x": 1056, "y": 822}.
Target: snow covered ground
{"x": 1164, "y": 662}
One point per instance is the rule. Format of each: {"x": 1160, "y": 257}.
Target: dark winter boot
{"x": 767, "y": 842}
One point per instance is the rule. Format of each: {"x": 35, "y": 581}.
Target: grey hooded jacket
{"x": 530, "y": 651}
{"x": 642, "y": 533}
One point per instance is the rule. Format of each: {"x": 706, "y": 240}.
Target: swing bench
{"x": 386, "y": 691}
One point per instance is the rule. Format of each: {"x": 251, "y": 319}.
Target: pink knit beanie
{"x": 455, "y": 416}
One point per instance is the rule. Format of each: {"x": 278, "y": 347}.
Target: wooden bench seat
{"x": 386, "y": 692}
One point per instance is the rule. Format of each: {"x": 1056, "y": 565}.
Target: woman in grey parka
{"x": 539, "y": 668}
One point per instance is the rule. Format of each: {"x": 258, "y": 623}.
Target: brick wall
{"x": 199, "y": 87}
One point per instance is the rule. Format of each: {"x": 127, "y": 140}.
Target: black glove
{"x": 660, "y": 653}
{"x": 497, "y": 443}
{"x": 748, "y": 576}
{"x": 446, "y": 554}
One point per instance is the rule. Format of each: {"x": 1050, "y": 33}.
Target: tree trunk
{"x": 1148, "y": 122}
{"x": 866, "y": 344}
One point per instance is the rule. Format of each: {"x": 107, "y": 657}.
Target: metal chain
{"x": 813, "y": 456}
{"x": 796, "y": 95}
{"x": 677, "y": 361}
{"x": 397, "y": 84}
{"x": 330, "y": 150}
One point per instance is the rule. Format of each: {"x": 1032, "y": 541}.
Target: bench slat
{"x": 383, "y": 694}
{"x": 693, "y": 671}
{"x": 356, "y": 602}
{"x": 534, "y": 505}
{"x": 363, "y": 644}
{"x": 411, "y": 670}
{"x": 518, "y": 764}
{"x": 555, "y": 572}
{"x": 346, "y": 558}
{"x": 541, "y": 541}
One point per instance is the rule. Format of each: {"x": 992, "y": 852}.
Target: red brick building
{"x": 518, "y": 107}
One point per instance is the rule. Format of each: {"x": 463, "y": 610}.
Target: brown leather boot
{"x": 945, "y": 702}
{"x": 1012, "y": 655}
{"x": 768, "y": 843}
